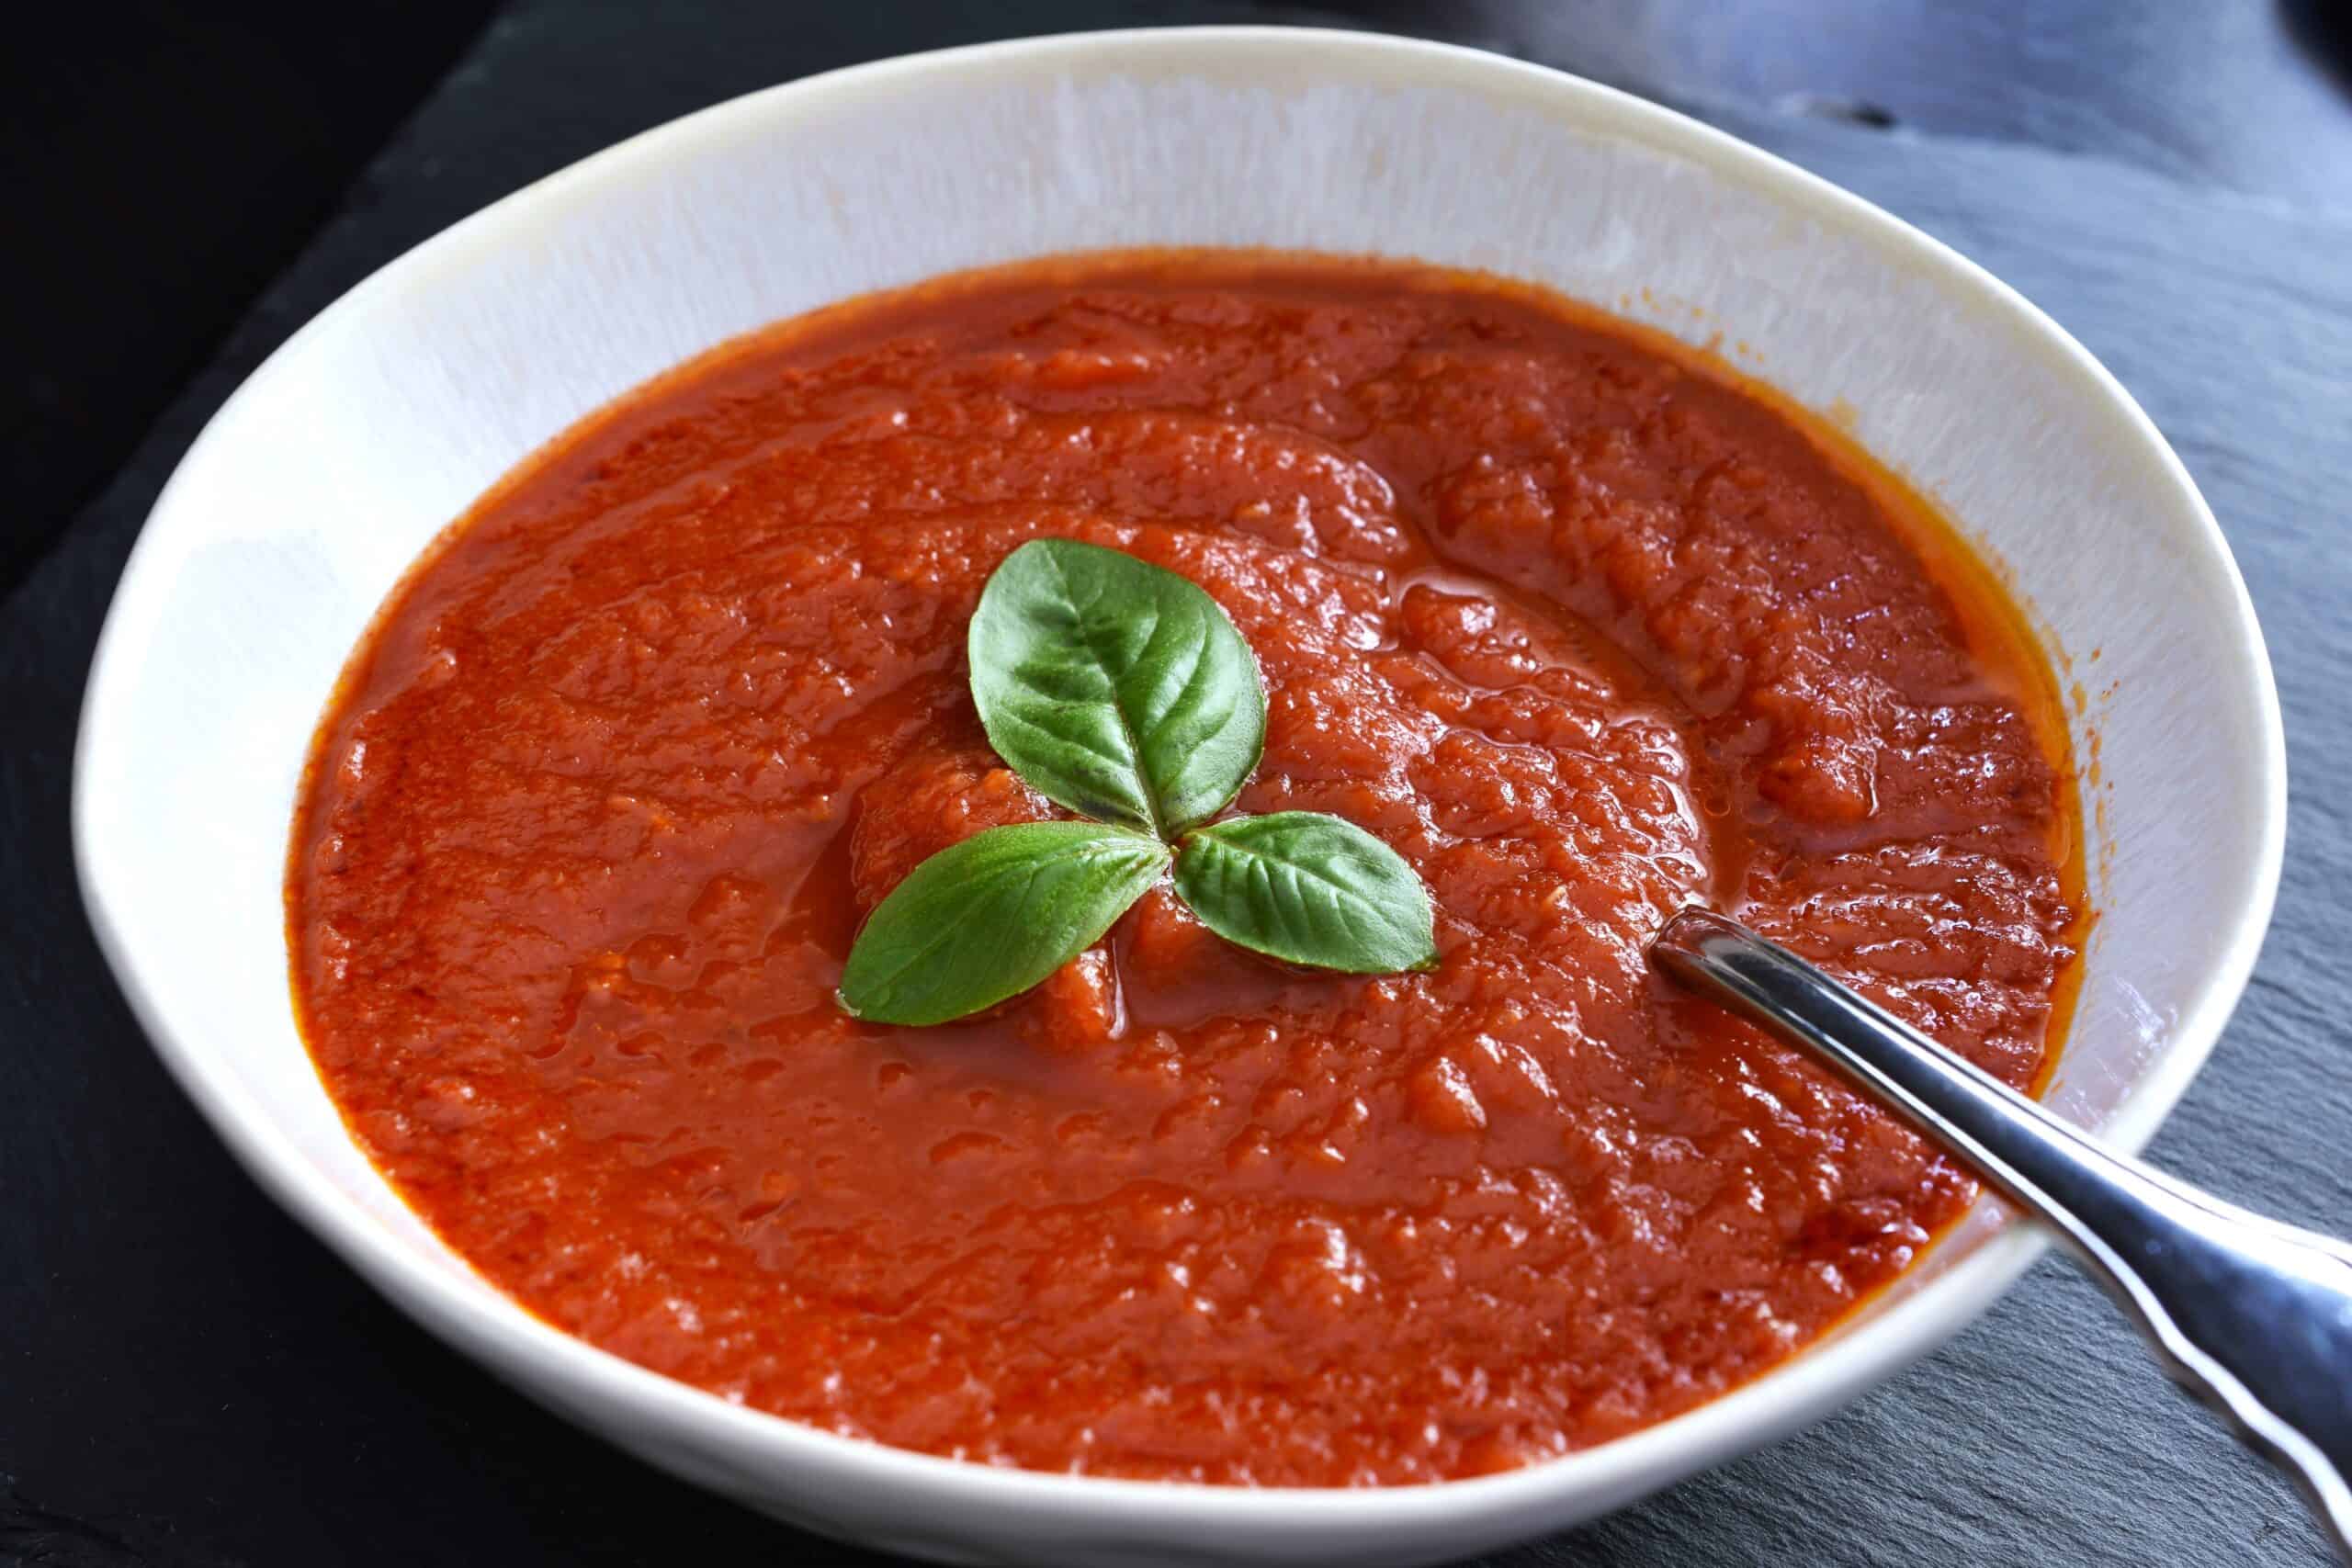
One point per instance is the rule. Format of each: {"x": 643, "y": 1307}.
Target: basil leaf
{"x": 990, "y": 916}
{"x": 1118, "y": 689}
{"x": 1310, "y": 889}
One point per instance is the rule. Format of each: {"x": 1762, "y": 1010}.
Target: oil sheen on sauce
{"x": 1581, "y": 625}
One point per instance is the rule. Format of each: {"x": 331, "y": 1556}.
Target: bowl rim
{"x": 493, "y": 1328}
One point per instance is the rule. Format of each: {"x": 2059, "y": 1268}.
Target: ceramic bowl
{"x": 336, "y": 465}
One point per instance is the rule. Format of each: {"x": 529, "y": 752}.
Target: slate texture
{"x": 187, "y": 1379}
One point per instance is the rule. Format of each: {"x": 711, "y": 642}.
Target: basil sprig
{"x": 1116, "y": 689}
{"x": 988, "y": 917}
{"x": 1124, "y": 692}
{"x": 1310, "y": 889}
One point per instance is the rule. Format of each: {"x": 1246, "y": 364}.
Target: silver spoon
{"x": 2253, "y": 1316}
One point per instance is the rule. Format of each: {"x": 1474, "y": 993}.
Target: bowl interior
{"x": 339, "y": 461}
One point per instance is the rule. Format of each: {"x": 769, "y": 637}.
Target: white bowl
{"x": 336, "y": 465}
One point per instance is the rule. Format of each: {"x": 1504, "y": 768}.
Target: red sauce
{"x": 1579, "y": 624}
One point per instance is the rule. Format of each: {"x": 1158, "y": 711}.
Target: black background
{"x": 186, "y": 1378}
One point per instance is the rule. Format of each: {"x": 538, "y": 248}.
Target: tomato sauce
{"x": 1579, "y": 624}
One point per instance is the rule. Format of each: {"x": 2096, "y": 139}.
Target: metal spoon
{"x": 2253, "y": 1316}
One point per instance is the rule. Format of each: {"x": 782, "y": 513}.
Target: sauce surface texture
{"x": 1582, "y": 629}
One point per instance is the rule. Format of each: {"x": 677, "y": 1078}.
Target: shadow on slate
{"x": 162, "y": 164}
{"x": 187, "y": 1379}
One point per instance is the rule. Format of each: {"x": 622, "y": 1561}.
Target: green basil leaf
{"x": 1118, "y": 689}
{"x": 1310, "y": 889}
{"x": 990, "y": 916}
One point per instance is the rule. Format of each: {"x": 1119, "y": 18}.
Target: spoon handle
{"x": 2253, "y": 1316}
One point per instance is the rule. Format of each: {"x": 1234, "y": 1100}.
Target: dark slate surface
{"x": 187, "y": 1379}
{"x": 138, "y": 283}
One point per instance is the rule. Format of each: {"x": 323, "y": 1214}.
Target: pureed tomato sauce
{"x": 1582, "y": 629}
